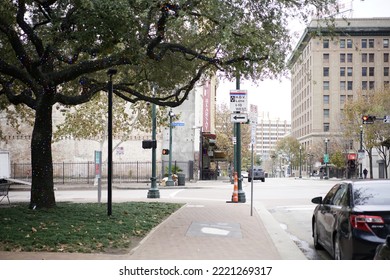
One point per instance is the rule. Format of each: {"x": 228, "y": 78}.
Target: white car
{"x": 244, "y": 174}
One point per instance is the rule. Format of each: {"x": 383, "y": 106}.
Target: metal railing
{"x": 84, "y": 172}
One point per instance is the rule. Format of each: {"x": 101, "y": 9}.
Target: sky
{"x": 272, "y": 97}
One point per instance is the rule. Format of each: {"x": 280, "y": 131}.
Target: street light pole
{"x": 170, "y": 181}
{"x": 153, "y": 191}
{"x": 361, "y": 149}
{"x": 300, "y": 161}
{"x": 326, "y": 162}
{"x": 110, "y": 73}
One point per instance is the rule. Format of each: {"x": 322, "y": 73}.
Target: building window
{"x": 326, "y": 127}
{"x": 350, "y": 71}
{"x": 326, "y": 85}
{"x": 325, "y": 57}
{"x": 364, "y": 57}
{"x": 364, "y": 71}
{"x": 386, "y": 84}
{"x": 326, "y": 71}
{"x": 386, "y": 71}
{"x": 386, "y": 57}
{"x": 371, "y": 57}
{"x": 371, "y": 43}
{"x": 325, "y": 44}
{"x": 364, "y": 43}
{"x": 371, "y": 71}
{"x": 342, "y": 99}
{"x": 349, "y": 43}
{"x": 326, "y": 99}
{"x": 326, "y": 113}
{"x": 342, "y": 85}
{"x": 342, "y": 71}
{"x": 371, "y": 85}
{"x": 350, "y": 85}
{"x": 385, "y": 43}
{"x": 349, "y": 57}
{"x": 342, "y": 43}
{"x": 364, "y": 85}
{"x": 342, "y": 57}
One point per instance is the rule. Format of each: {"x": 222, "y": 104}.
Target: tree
{"x": 89, "y": 120}
{"x": 58, "y": 51}
{"x": 288, "y": 148}
{"x": 374, "y": 103}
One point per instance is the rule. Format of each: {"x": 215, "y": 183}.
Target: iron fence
{"x": 84, "y": 172}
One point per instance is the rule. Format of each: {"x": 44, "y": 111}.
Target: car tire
{"x": 336, "y": 248}
{"x": 263, "y": 180}
{"x": 249, "y": 179}
{"x": 317, "y": 245}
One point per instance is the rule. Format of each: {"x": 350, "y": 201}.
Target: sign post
{"x": 238, "y": 108}
{"x": 253, "y": 121}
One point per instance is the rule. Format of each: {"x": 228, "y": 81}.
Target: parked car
{"x": 383, "y": 251}
{"x": 352, "y": 219}
{"x": 244, "y": 174}
{"x": 258, "y": 174}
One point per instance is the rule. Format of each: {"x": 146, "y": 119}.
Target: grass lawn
{"x": 80, "y": 227}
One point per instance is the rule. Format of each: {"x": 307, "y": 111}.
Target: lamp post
{"x": 110, "y": 73}
{"x": 326, "y": 159}
{"x": 300, "y": 161}
{"x": 170, "y": 181}
{"x": 360, "y": 151}
{"x": 153, "y": 191}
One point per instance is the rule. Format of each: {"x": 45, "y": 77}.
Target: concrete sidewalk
{"x": 200, "y": 230}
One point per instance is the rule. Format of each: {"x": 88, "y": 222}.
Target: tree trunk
{"x": 42, "y": 188}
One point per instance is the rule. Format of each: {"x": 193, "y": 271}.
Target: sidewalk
{"x": 201, "y": 230}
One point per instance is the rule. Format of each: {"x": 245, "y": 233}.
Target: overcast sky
{"x": 273, "y": 96}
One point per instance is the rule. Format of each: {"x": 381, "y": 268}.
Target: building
{"x": 193, "y": 144}
{"x": 328, "y": 68}
{"x": 268, "y": 133}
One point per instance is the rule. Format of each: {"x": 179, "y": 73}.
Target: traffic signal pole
{"x": 241, "y": 193}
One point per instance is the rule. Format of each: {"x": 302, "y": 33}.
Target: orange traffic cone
{"x": 235, "y": 191}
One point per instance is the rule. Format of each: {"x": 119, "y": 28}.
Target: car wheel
{"x": 336, "y": 248}
{"x": 263, "y": 180}
{"x": 249, "y": 179}
{"x": 315, "y": 237}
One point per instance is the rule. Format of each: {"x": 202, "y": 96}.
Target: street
{"x": 288, "y": 200}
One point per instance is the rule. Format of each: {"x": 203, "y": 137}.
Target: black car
{"x": 383, "y": 251}
{"x": 352, "y": 219}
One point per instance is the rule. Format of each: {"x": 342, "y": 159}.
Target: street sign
{"x": 253, "y": 115}
{"x": 239, "y": 118}
{"x": 386, "y": 119}
{"x": 238, "y": 101}
{"x": 177, "y": 124}
{"x": 326, "y": 158}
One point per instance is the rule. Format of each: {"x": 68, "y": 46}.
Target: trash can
{"x": 181, "y": 179}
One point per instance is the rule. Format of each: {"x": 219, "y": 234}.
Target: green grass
{"x": 79, "y": 227}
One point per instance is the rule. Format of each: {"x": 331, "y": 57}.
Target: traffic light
{"x": 368, "y": 119}
{"x": 165, "y": 152}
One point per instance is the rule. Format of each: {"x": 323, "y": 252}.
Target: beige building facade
{"x": 329, "y": 68}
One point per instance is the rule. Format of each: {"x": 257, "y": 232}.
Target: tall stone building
{"x": 328, "y": 68}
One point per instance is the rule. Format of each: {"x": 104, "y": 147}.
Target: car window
{"x": 371, "y": 194}
{"x": 328, "y": 199}
{"x": 340, "y": 196}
